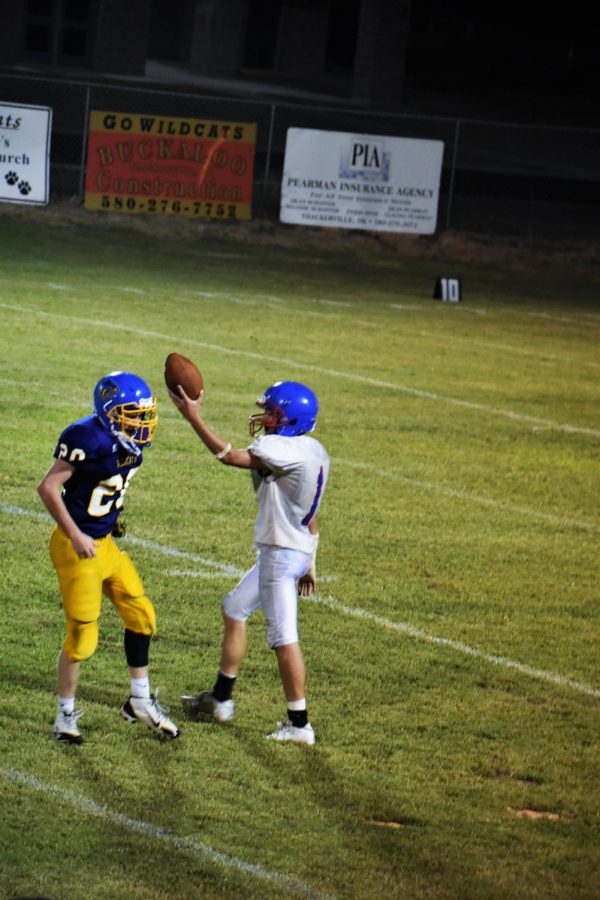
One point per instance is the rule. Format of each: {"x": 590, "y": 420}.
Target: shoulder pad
{"x": 84, "y": 439}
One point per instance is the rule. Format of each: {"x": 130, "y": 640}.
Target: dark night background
{"x": 527, "y": 61}
{"x": 512, "y": 89}
{"x": 462, "y": 57}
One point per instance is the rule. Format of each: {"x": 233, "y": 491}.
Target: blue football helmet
{"x": 289, "y": 408}
{"x": 126, "y": 407}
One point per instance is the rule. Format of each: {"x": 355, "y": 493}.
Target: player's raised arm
{"x": 191, "y": 410}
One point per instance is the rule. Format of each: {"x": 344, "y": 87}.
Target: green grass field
{"x": 452, "y": 650}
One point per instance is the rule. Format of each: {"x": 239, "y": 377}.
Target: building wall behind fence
{"x": 498, "y": 179}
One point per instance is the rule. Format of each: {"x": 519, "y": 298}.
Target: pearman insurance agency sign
{"x": 25, "y": 153}
{"x": 338, "y": 180}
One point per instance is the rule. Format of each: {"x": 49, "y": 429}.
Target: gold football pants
{"x": 84, "y": 581}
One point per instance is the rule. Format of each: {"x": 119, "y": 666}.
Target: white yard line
{"x": 355, "y": 612}
{"x": 221, "y": 568}
{"x": 28, "y": 386}
{"x": 557, "y": 318}
{"x": 454, "y": 306}
{"x": 211, "y": 295}
{"x": 350, "y": 376}
{"x": 482, "y": 345}
{"x": 203, "y": 573}
{"x": 504, "y": 348}
{"x": 193, "y": 573}
{"x": 441, "y": 489}
{"x": 418, "y": 634}
{"x": 582, "y": 319}
{"x": 156, "y": 832}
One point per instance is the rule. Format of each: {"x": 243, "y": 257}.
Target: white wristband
{"x": 222, "y": 453}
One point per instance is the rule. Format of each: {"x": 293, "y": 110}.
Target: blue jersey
{"x": 95, "y": 491}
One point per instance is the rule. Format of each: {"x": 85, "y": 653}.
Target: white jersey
{"x": 290, "y": 490}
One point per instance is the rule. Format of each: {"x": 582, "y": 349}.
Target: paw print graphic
{"x": 11, "y": 178}
{"x": 24, "y": 187}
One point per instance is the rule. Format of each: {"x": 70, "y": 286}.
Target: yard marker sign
{"x": 448, "y": 289}
{"x": 25, "y": 154}
{"x": 164, "y": 165}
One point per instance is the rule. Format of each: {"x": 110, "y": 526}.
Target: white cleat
{"x": 205, "y": 705}
{"x": 65, "y": 727}
{"x": 288, "y": 732}
{"x": 150, "y": 713}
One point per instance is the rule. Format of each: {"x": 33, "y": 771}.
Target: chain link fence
{"x": 535, "y": 183}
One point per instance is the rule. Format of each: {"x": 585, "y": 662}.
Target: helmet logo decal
{"x": 108, "y": 390}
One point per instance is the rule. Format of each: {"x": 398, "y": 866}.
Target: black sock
{"x": 223, "y": 687}
{"x": 298, "y": 717}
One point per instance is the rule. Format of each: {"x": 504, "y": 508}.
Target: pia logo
{"x": 366, "y": 156}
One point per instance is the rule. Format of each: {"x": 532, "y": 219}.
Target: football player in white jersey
{"x": 289, "y": 472}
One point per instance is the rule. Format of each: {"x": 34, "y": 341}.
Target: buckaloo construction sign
{"x": 159, "y": 164}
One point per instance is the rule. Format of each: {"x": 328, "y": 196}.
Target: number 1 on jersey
{"x": 310, "y": 514}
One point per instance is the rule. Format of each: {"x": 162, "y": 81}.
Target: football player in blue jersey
{"x": 95, "y": 460}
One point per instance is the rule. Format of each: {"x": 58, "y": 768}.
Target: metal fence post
{"x": 452, "y": 171}
{"x": 268, "y": 159}
{"x": 86, "y": 116}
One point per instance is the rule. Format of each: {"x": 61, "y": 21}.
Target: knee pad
{"x": 81, "y": 640}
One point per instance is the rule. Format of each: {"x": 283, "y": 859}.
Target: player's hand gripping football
{"x": 189, "y": 409}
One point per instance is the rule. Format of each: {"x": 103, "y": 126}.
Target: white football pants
{"x": 271, "y": 585}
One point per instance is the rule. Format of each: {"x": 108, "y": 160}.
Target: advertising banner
{"x": 338, "y": 180}
{"x": 25, "y": 153}
{"x": 157, "y": 164}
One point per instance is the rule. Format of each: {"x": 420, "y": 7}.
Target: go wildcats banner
{"x": 159, "y": 164}
{"x": 337, "y": 180}
{"x": 25, "y": 153}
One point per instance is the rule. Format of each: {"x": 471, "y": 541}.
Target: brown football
{"x": 181, "y": 370}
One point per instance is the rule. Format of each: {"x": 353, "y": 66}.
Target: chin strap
{"x": 120, "y": 438}
{"x": 127, "y": 444}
